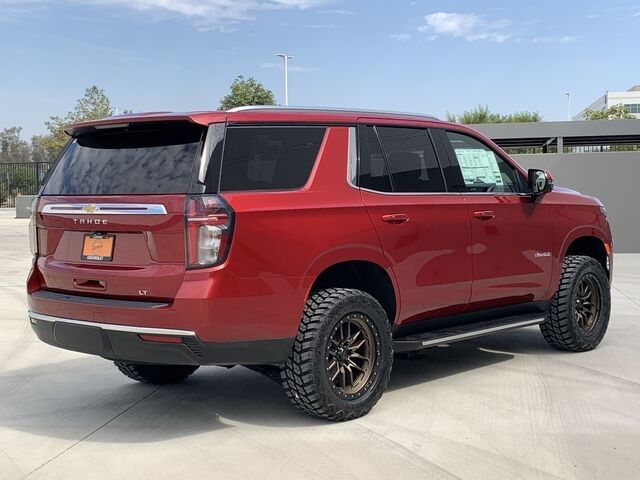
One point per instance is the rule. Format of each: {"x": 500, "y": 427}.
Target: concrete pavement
{"x": 503, "y": 406}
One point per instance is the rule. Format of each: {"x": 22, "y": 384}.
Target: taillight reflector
{"x": 209, "y": 223}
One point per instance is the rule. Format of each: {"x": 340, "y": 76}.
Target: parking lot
{"x": 502, "y": 406}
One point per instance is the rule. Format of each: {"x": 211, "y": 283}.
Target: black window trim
{"x": 384, "y": 154}
{"x": 453, "y": 162}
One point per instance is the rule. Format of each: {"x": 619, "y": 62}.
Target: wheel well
{"x": 591, "y": 247}
{"x": 362, "y": 275}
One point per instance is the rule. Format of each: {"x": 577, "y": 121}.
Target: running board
{"x": 419, "y": 341}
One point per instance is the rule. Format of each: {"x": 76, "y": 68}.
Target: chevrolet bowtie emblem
{"x": 90, "y": 208}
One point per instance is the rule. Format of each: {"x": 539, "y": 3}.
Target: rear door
{"x": 111, "y": 214}
{"x": 512, "y": 233}
{"x": 424, "y": 230}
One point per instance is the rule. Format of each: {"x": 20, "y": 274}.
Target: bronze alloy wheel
{"x": 352, "y": 355}
{"x": 588, "y": 303}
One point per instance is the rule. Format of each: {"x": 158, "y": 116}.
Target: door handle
{"x": 484, "y": 215}
{"x": 395, "y": 218}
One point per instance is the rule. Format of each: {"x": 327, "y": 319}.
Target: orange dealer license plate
{"x": 98, "y": 247}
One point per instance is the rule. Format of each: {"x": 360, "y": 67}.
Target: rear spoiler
{"x": 123, "y": 121}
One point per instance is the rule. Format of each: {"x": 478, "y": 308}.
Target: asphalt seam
{"x": 91, "y": 433}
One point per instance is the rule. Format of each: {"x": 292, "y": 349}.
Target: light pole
{"x": 568, "y": 94}
{"x": 286, "y": 58}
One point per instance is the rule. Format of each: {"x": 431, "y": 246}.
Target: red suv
{"x": 307, "y": 244}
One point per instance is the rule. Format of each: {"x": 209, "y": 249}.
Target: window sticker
{"x": 478, "y": 166}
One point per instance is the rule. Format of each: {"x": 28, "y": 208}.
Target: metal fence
{"x": 20, "y": 179}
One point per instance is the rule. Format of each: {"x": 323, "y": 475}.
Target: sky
{"x": 427, "y": 56}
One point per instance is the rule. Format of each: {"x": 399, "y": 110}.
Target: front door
{"x": 511, "y": 231}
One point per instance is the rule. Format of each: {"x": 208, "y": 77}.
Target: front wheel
{"x": 579, "y": 313}
{"x": 342, "y": 355}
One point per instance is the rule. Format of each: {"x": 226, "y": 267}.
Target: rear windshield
{"x": 269, "y": 158}
{"x": 142, "y": 159}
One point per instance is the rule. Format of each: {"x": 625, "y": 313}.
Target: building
{"x": 630, "y": 99}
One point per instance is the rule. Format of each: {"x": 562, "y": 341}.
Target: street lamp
{"x": 286, "y": 58}
{"x": 568, "y": 94}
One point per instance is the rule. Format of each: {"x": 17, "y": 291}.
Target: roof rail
{"x": 330, "y": 109}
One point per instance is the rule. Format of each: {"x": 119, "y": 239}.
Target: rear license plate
{"x": 98, "y": 247}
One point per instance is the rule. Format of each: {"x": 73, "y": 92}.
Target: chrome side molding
{"x": 104, "y": 209}
{"x": 484, "y": 331}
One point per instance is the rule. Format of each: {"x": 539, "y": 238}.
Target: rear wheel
{"x": 342, "y": 356}
{"x": 579, "y": 313}
{"x": 156, "y": 374}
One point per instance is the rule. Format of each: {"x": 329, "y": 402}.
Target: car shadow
{"x": 73, "y": 398}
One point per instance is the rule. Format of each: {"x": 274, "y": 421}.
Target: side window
{"x": 412, "y": 160}
{"x": 482, "y": 170}
{"x": 269, "y": 158}
{"x": 373, "y": 173}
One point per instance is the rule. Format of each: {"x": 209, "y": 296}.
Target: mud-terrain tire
{"x": 578, "y": 316}
{"x": 155, "y": 374}
{"x": 326, "y": 374}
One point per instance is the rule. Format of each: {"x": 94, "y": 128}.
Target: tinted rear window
{"x": 269, "y": 158}
{"x": 139, "y": 160}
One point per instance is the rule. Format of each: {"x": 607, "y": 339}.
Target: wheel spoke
{"x": 353, "y": 348}
{"x": 358, "y": 356}
{"x": 354, "y": 337}
{"x": 355, "y": 365}
{"x": 348, "y": 369}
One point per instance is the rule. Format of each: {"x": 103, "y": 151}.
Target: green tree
{"x": 247, "y": 92}
{"x": 12, "y": 147}
{"x": 482, "y": 114}
{"x": 614, "y": 112}
{"x": 93, "y": 104}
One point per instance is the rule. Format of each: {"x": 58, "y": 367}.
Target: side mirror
{"x": 540, "y": 181}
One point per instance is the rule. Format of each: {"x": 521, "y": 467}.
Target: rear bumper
{"x": 123, "y": 342}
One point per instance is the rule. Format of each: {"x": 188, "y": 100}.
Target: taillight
{"x": 209, "y": 226}
{"x": 33, "y": 228}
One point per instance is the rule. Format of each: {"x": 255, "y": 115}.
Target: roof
{"x": 255, "y": 114}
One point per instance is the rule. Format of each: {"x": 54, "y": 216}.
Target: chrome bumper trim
{"x": 40, "y": 317}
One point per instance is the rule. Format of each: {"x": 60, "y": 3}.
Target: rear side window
{"x": 373, "y": 174}
{"x": 269, "y": 158}
{"x": 141, "y": 159}
{"x": 412, "y": 160}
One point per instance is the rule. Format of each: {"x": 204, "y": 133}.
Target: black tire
{"x": 306, "y": 373}
{"x": 155, "y": 374}
{"x": 564, "y": 327}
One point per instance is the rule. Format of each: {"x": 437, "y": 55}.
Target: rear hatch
{"x": 110, "y": 219}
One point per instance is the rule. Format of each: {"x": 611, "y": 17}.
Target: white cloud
{"x": 291, "y": 68}
{"x": 592, "y": 15}
{"x": 469, "y": 26}
{"x": 400, "y": 37}
{"x": 336, "y": 12}
{"x": 563, "y": 39}
{"x": 205, "y": 14}
{"x": 319, "y": 25}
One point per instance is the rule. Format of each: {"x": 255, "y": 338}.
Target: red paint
{"x": 444, "y": 253}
